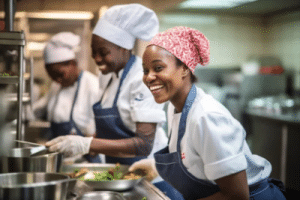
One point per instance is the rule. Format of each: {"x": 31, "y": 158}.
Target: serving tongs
{"x": 37, "y": 150}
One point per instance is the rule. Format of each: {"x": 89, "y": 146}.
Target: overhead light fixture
{"x": 188, "y": 19}
{"x": 73, "y": 15}
{"x": 202, "y": 4}
{"x": 36, "y": 46}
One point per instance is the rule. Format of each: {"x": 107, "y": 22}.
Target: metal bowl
{"x": 20, "y": 160}
{"x": 27, "y": 186}
{"x": 102, "y": 195}
{"x": 113, "y": 185}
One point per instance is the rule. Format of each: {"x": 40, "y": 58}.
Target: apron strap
{"x": 125, "y": 72}
{"x": 186, "y": 108}
{"x": 108, "y": 84}
{"x": 75, "y": 97}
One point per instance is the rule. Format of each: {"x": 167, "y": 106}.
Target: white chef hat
{"x": 122, "y": 24}
{"x": 61, "y": 47}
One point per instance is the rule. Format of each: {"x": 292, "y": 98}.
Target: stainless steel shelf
{"x": 13, "y": 79}
{"x": 9, "y": 79}
{"x": 12, "y": 38}
{"x": 14, "y": 98}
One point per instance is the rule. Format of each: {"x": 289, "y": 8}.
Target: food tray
{"x": 113, "y": 185}
{"x": 102, "y": 195}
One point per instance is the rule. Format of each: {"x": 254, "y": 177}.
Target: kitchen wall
{"x": 284, "y": 41}
{"x": 234, "y": 38}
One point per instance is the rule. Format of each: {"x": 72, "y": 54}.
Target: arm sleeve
{"x": 222, "y": 139}
{"x": 143, "y": 107}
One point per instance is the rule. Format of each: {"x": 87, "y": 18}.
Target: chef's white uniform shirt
{"x": 58, "y": 103}
{"x": 135, "y": 103}
{"x": 214, "y": 144}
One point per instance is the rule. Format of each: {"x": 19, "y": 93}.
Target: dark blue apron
{"x": 171, "y": 169}
{"x": 70, "y": 128}
{"x": 109, "y": 124}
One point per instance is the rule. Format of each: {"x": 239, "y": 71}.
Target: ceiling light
{"x": 36, "y": 46}
{"x": 213, "y": 3}
{"x": 179, "y": 19}
{"x": 74, "y": 15}
{"x": 79, "y": 15}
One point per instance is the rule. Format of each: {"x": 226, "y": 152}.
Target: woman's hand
{"x": 233, "y": 187}
{"x": 148, "y": 165}
{"x": 70, "y": 145}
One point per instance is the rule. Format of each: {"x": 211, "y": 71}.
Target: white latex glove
{"x": 70, "y": 145}
{"x": 148, "y": 165}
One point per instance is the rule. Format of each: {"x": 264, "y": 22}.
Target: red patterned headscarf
{"x": 187, "y": 44}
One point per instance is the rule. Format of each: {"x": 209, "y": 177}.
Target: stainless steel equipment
{"x": 21, "y": 160}
{"x": 6, "y": 140}
{"x": 143, "y": 190}
{"x": 12, "y": 72}
{"x": 28, "y": 186}
{"x": 102, "y": 195}
{"x": 114, "y": 185}
{"x": 12, "y": 68}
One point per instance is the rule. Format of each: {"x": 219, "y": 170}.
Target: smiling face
{"x": 163, "y": 76}
{"x": 64, "y": 73}
{"x": 108, "y": 56}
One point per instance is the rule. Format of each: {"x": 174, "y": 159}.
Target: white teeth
{"x": 156, "y": 87}
{"x": 102, "y": 67}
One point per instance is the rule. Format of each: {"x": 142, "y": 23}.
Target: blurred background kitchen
{"x": 254, "y": 69}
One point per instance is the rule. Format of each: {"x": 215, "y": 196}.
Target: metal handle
{"x": 30, "y": 143}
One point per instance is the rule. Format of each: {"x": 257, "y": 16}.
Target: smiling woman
{"x": 207, "y": 157}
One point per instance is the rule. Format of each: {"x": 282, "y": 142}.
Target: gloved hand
{"x": 148, "y": 165}
{"x": 70, "y": 145}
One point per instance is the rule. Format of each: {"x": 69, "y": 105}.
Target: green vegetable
{"x": 105, "y": 176}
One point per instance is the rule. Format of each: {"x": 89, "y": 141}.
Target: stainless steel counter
{"x": 276, "y": 137}
{"x": 141, "y": 190}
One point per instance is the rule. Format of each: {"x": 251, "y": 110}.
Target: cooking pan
{"x": 39, "y": 185}
{"x": 113, "y": 185}
{"x": 22, "y": 160}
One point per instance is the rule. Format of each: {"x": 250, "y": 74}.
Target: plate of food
{"x": 112, "y": 177}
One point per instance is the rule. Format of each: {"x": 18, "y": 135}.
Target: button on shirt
{"x": 214, "y": 144}
{"x": 135, "y": 103}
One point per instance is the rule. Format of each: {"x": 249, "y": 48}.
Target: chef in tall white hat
{"x": 69, "y": 102}
{"x": 128, "y": 120}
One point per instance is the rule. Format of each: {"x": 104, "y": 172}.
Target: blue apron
{"x": 171, "y": 169}
{"x": 109, "y": 124}
{"x": 70, "y": 128}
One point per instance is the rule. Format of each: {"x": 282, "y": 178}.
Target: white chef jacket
{"x": 214, "y": 144}
{"x": 58, "y": 103}
{"x": 135, "y": 103}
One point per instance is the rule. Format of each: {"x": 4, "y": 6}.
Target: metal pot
{"x": 22, "y": 162}
{"x": 28, "y": 186}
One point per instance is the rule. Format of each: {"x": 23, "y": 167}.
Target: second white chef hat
{"x": 122, "y": 24}
{"x": 61, "y": 48}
